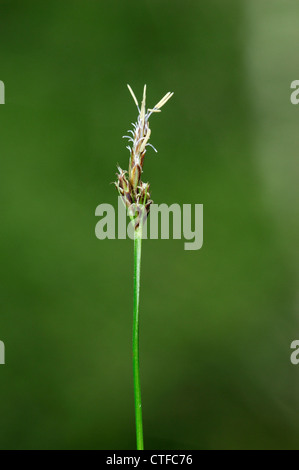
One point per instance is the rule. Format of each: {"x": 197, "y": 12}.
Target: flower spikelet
{"x": 129, "y": 184}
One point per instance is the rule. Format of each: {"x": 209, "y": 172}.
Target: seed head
{"x": 131, "y": 188}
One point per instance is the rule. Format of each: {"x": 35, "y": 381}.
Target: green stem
{"x": 137, "y": 392}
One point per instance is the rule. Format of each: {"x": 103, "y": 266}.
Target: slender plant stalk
{"x": 136, "y": 195}
{"x": 136, "y": 372}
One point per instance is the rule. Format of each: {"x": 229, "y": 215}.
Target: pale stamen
{"x": 163, "y": 101}
{"x": 133, "y": 96}
{"x": 146, "y": 138}
{"x": 142, "y": 111}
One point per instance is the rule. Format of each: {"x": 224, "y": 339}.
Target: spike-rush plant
{"x": 136, "y": 197}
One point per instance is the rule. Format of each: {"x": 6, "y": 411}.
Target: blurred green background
{"x": 216, "y": 324}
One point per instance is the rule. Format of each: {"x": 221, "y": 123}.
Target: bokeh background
{"x": 216, "y": 324}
